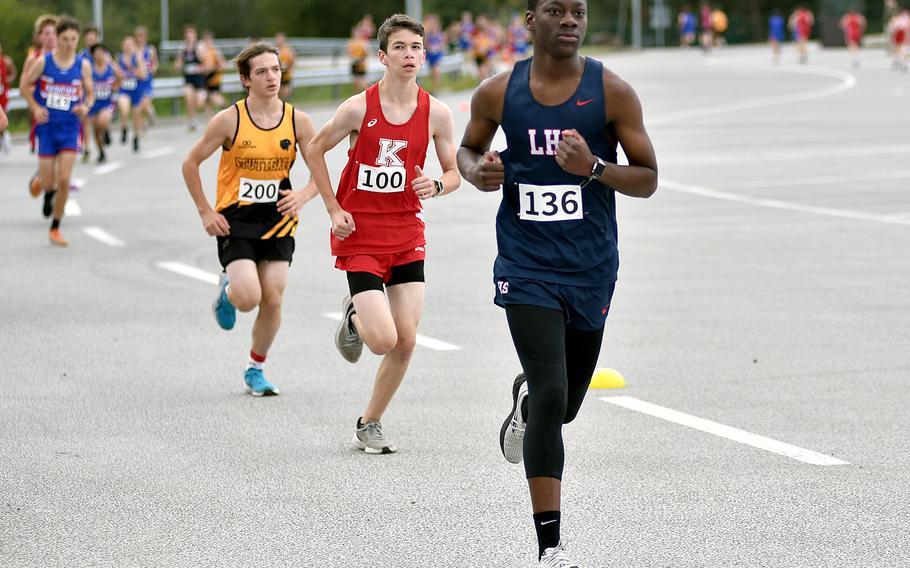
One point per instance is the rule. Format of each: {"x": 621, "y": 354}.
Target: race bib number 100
{"x": 381, "y": 179}
{"x": 258, "y": 190}
{"x": 550, "y": 202}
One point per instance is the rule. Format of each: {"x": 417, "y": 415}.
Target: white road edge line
{"x": 72, "y": 209}
{"x": 189, "y": 271}
{"x": 728, "y": 432}
{"x": 108, "y": 168}
{"x": 776, "y": 204}
{"x": 103, "y": 236}
{"x": 847, "y": 82}
{"x": 428, "y": 342}
{"x": 158, "y": 152}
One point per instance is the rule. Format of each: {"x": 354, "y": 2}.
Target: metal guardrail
{"x": 305, "y": 47}
{"x": 172, "y": 87}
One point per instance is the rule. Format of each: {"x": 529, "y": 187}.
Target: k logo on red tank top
{"x": 388, "y": 152}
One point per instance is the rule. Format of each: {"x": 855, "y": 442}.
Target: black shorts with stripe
{"x": 239, "y": 248}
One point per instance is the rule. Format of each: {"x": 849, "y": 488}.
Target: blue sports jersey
{"x": 60, "y": 90}
{"x": 776, "y": 28}
{"x": 690, "y": 23}
{"x": 147, "y": 61}
{"x": 436, "y": 43}
{"x": 549, "y": 227}
{"x": 130, "y": 80}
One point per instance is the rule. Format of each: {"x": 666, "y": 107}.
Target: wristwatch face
{"x": 599, "y": 167}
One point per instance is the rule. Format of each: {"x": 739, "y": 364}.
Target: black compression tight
{"x": 558, "y": 362}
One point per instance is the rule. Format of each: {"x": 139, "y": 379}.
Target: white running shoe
{"x": 512, "y": 434}
{"x": 556, "y": 557}
{"x": 369, "y": 438}
{"x": 347, "y": 341}
{"x": 6, "y": 142}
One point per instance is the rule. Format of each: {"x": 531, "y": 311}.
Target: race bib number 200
{"x": 381, "y": 179}
{"x": 550, "y": 202}
{"x": 258, "y": 190}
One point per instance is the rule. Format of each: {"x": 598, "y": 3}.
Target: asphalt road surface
{"x": 761, "y": 321}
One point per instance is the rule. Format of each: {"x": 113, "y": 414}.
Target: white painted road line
{"x": 776, "y": 204}
{"x": 818, "y": 180}
{"x": 158, "y": 152}
{"x": 108, "y": 168}
{"x": 103, "y": 236}
{"x": 72, "y": 209}
{"x": 428, "y": 342}
{"x": 728, "y": 432}
{"x": 846, "y": 82}
{"x": 198, "y": 274}
{"x": 189, "y": 271}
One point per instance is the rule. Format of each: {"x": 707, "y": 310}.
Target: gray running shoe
{"x": 369, "y": 438}
{"x": 556, "y": 557}
{"x": 347, "y": 341}
{"x": 512, "y": 434}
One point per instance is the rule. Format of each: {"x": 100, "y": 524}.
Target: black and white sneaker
{"x": 347, "y": 341}
{"x": 512, "y": 434}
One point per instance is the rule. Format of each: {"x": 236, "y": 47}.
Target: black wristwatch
{"x": 440, "y": 188}
{"x": 598, "y": 169}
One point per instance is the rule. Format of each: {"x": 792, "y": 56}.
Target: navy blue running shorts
{"x": 584, "y": 308}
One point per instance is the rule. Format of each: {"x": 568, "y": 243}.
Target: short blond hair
{"x": 45, "y": 20}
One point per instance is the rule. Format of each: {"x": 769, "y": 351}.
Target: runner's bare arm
{"x": 639, "y": 178}
{"x": 88, "y": 88}
{"x": 480, "y": 166}
{"x": 30, "y": 76}
{"x": 442, "y": 129}
{"x": 11, "y": 65}
{"x": 219, "y": 132}
{"x": 292, "y": 201}
{"x": 346, "y": 121}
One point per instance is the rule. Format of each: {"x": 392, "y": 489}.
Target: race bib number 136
{"x": 550, "y": 202}
{"x": 258, "y": 190}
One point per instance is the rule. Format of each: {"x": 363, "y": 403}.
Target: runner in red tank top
{"x": 7, "y": 76}
{"x": 377, "y": 218}
{"x": 853, "y": 24}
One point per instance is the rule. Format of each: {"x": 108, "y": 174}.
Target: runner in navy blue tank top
{"x": 563, "y": 116}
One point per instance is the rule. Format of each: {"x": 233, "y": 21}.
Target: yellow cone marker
{"x": 606, "y": 378}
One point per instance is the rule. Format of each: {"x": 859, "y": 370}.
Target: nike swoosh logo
{"x": 554, "y": 520}
{"x": 583, "y": 103}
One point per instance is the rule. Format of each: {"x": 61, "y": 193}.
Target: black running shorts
{"x": 233, "y": 248}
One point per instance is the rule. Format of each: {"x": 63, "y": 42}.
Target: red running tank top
{"x": 375, "y": 186}
{"x": 4, "y": 84}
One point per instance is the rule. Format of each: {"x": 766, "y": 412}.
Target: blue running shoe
{"x": 256, "y": 384}
{"x": 225, "y": 312}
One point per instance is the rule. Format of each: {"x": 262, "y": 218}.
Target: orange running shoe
{"x": 57, "y": 239}
{"x": 34, "y": 186}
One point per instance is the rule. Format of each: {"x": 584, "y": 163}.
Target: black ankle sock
{"x": 547, "y": 526}
{"x": 55, "y": 224}
{"x": 524, "y": 409}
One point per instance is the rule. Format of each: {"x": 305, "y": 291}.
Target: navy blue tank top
{"x": 554, "y": 226}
